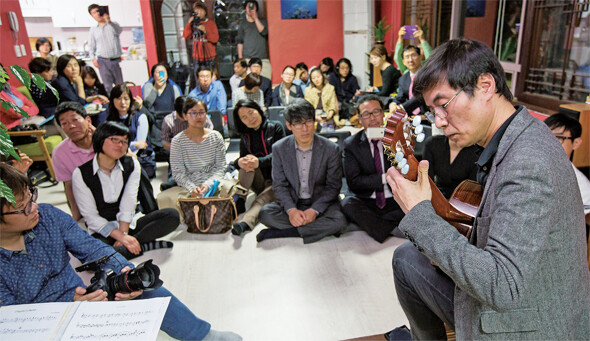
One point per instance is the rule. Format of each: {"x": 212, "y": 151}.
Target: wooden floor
{"x": 335, "y": 289}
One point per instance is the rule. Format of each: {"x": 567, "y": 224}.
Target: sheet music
{"x": 31, "y": 321}
{"x": 123, "y": 320}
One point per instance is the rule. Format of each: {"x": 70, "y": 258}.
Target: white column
{"x": 357, "y": 25}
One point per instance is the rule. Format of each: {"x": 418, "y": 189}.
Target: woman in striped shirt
{"x": 197, "y": 156}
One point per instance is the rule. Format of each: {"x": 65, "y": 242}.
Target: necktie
{"x": 379, "y": 195}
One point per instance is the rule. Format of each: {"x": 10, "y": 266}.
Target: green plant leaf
{"x": 6, "y": 192}
{"x": 6, "y": 146}
{"x": 39, "y": 81}
{"x": 18, "y": 110}
{"x": 22, "y": 75}
{"x": 54, "y": 91}
{"x": 5, "y": 104}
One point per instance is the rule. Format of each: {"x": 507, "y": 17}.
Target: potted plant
{"x": 379, "y": 31}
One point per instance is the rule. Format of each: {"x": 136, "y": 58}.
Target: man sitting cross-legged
{"x": 371, "y": 206}
{"x": 306, "y": 176}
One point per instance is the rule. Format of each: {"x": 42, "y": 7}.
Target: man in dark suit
{"x": 405, "y": 96}
{"x": 522, "y": 273}
{"x": 306, "y": 180}
{"x": 371, "y": 206}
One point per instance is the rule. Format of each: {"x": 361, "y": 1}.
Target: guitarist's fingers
{"x": 423, "y": 171}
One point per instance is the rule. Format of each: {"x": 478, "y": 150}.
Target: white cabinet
{"x": 35, "y": 8}
{"x": 74, "y": 13}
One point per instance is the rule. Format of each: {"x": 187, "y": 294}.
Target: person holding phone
{"x": 105, "y": 46}
{"x": 399, "y": 47}
{"x": 253, "y": 36}
{"x": 371, "y": 205}
{"x": 159, "y": 93}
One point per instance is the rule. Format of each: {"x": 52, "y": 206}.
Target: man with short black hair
{"x": 371, "y": 206}
{"x": 301, "y": 76}
{"x": 252, "y": 37}
{"x": 405, "y": 94}
{"x": 306, "y": 180}
{"x": 240, "y": 72}
{"x": 522, "y": 273}
{"x": 209, "y": 91}
{"x": 205, "y": 36}
{"x": 105, "y": 47}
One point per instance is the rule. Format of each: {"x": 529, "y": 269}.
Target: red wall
{"x": 391, "y": 10}
{"x": 148, "y": 33}
{"x": 304, "y": 40}
{"x": 483, "y": 28}
{"x": 7, "y": 54}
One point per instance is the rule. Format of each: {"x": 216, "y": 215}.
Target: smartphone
{"x": 135, "y": 90}
{"x": 102, "y": 10}
{"x": 410, "y": 29}
{"x": 162, "y": 74}
{"x": 375, "y": 133}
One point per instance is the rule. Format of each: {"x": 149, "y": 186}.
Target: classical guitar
{"x": 401, "y": 133}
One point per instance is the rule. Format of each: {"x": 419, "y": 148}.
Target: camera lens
{"x": 145, "y": 276}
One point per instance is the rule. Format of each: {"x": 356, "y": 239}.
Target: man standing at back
{"x": 105, "y": 47}
{"x": 252, "y": 36}
{"x": 522, "y": 273}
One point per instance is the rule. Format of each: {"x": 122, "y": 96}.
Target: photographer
{"x": 253, "y": 36}
{"x": 204, "y": 34}
{"x": 35, "y": 265}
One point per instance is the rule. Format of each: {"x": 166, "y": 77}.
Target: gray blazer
{"x": 325, "y": 176}
{"x": 523, "y": 274}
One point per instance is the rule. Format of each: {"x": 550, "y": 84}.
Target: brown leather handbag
{"x": 208, "y": 215}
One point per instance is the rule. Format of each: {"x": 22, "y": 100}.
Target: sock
{"x": 239, "y": 228}
{"x": 276, "y": 233}
{"x": 156, "y": 244}
{"x": 214, "y": 335}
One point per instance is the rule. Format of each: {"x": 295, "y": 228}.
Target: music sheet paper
{"x": 125, "y": 320}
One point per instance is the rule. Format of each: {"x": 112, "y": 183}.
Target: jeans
{"x": 425, "y": 293}
{"x": 179, "y": 322}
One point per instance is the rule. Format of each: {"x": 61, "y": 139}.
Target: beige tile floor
{"x": 335, "y": 289}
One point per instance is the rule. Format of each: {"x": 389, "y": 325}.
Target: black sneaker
{"x": 241, "y": 205}
{"x": 239, "y": 228}
{"x": 399, "y": 333}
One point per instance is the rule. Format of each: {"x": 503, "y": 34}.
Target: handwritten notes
{"x": 129, "y": 320}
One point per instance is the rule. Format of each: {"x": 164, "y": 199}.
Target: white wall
{"x": 358, "y": 16}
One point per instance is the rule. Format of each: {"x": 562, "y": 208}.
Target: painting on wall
{"x": 475, "y": 8}
{"x": 299, "y": 9}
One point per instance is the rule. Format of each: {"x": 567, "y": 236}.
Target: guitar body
{"x": 461, "y": 208}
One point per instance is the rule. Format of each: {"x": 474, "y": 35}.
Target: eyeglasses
{"x": 115, "y": 140}
{"x": 194, "y": 113}
{"x": 441, "y": 111}
{"x": 29, "y": 205}
{"x": 562, "y": 138}
{"x": 299, "y": 125}
{"x": 365, "y": 114}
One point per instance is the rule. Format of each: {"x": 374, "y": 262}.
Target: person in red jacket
{"x": 204, "y": 35}
{"x": 10, "y": 117}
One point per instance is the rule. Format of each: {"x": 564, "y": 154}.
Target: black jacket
{"x": 259, "y": 143}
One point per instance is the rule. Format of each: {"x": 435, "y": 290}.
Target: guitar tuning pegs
{"x": 405, "y": 169}
{"x": 402, "y": 163}
{"x": 419, "y": 129}
{"x": 416, "y": 121}
{"x": 399, "y": 156}
{"x": 420, "y": 137}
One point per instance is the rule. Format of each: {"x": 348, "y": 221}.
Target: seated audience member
{"x": 371, "y": 206}
{"x": 344, "y": 81}
{"x": 44, "y": 99}
{"x": 160, "y": 92}
{"x": 255, "y": 66}
{"x": 9, "y": 117}
{"x": 399, "y": 48}
{"x": 75, "y": 150}
{"x": 449, "y": 164}
{"x": 327, "y": 67}
{"x": 210, "y": 92}
{"x": 411, "y": 60}
{"x": 69, "y": 83}
{"x": 379, "y": 57}
{"x": 93, "y": 86}
{"x": 124, "y": 109}
{"x": 307, "y": 177}
{"x": 322, "y": 97}
{"x": 31, "y": 232}
{"x": 43, "y": 46}
{"x": 286, "y": 91}
{"x": 568, "y": 131}
{"x": 250, "y": 90}
{"x": 301, "y": 76}
{"x": 255, "y": 160}
{"x": 197, "y": 156}
{"x": 240, "y": 72}
{"x": 106, "y": 193}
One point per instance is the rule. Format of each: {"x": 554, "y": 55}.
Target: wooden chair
{"x": 44, "y": 154}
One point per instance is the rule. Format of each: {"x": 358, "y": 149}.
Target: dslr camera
{"x": 102, "y": 10}
{"x": 146, "y": 276}
{"x": 196, "y": 22}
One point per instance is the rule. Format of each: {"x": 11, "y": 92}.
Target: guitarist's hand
{"x": 409, "y": 193}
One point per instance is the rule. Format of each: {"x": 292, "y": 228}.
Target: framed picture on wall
{"x": 299, "y": 9}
